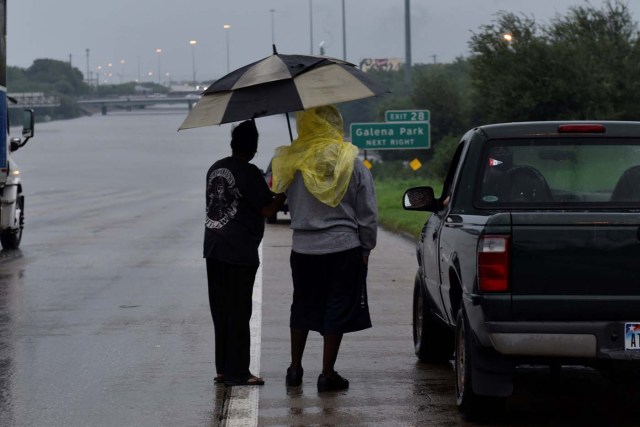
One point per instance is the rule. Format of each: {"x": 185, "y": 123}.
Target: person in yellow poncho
{"x": 334, "y": 218}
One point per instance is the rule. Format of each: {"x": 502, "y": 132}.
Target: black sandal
{"x": 250, "y": 380}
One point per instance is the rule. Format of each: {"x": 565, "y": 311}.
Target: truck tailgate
{"x": 575, "y": 266}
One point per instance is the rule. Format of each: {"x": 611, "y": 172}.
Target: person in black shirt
{"x": 237, "y": 201}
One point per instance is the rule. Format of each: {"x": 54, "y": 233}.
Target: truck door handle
{"x": 453, "y": 221}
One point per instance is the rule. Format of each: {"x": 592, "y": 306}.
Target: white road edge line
{"x": 243, "y": 401}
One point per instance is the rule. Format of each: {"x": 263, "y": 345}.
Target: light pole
{"x": 88, "y": 77}
{"x": 273, "y": 31}
{"x": 98, "y": 75}
{"x": 344, "y": 33}
{"x": 407, "y": 37}
{"x": 193, "y": 44}
{"x": 310, "y": 27}
{"x": 159, "y": 51}
{"x": 226, "y": 28}
{"x": 122, "y": 62}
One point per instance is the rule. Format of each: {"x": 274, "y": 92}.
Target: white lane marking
{"x": 243, "y": 401}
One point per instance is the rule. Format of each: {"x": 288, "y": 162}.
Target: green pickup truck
{"x": 531, "y": 256}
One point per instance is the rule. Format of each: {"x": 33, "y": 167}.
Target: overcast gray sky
{"x": 131, "y": 30}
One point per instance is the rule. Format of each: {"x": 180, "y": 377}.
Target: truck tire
{"x": 433, "y": 341}
{"x": 11, "y": 238}
{"x": 473, "y": 407}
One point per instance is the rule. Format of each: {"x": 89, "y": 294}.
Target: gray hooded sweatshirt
{"x": 320, "y": 229}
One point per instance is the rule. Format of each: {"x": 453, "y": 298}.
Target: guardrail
{"x": 32, "y": 100}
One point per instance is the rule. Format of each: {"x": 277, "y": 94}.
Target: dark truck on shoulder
{"x": 531, "y": 256}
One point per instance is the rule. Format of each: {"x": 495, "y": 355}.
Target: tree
{"x": 580, "y": 66}
{"x": 59, "y": 76}
{"x": 509, "y": 76}
{"x": 602, "y": 49}
{"x": 442, "y": 89}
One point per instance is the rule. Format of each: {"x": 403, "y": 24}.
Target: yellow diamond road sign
{"x": 415, "y": 164}
{"x": 367, "y": 163}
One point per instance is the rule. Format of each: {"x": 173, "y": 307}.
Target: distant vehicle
{"x": 268, "y": 176}
{"x": 11, "y": 194}
{"x": 530, "y": 256}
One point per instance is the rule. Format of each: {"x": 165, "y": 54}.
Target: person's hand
{"x": 365, "y": 259}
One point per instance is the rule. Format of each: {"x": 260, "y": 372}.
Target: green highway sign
{"x": 406, "y": 116}
{"x": 385, "y": 136}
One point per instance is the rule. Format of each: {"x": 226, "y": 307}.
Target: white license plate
{"x": 632, "y": 336}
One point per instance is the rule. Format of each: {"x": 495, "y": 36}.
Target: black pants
{"x": 230, "y": 293}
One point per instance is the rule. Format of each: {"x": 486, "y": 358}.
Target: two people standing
{"x": 334, "y": 220}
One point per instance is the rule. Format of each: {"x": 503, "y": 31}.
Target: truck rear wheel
{"x": 472, "y": 406}
{"x": 432, "y": 340}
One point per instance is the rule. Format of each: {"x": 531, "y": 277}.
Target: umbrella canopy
{"x": 280, "y": 84}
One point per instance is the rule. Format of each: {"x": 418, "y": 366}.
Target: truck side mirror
{"x": 420, "y": 199}
{"x": 28, "y": 124}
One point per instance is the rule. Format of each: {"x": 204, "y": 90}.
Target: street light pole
{"x": 311, "y": 27}
{"x": 193, "y": 44}
{"x": 159, "y": 51}
{"x": 407, "y": 36}
{"x": 88, "y": 77}
{"x": 122, "y": 62}
{"x": 226, "y": 27}
{"x": 344, "y": 34}
{"x": 273, "y": 31}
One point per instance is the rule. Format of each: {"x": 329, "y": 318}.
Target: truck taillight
{"x": 493, "y": 263}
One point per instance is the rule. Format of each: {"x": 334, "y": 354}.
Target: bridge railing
{"x": 33, "y": 99}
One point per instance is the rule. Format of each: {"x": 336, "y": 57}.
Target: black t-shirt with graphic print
{"x": 236, "y": 192}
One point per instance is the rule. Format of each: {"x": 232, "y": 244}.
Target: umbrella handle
{"x": 289, "y": 126}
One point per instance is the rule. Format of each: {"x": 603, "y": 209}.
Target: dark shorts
{"x": 330, "y": 292}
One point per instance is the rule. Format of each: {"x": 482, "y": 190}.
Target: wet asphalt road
{"x": 104, "y": 315}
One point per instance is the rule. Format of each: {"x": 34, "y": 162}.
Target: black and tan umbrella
{"x": 280, "y": 84}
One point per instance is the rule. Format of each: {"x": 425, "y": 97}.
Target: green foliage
{"x": 442, "y": 155}
{"x": 58, "y": 76}
{"x": 391, "y": 214}
{"x": 442, "y": 89}
{"x": 397, "y": 170}
{"x": 580, "y": 66}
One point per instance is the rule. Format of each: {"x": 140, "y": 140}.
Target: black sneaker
{"x": 333, "y": 383}
{"x": 294, "y": 377}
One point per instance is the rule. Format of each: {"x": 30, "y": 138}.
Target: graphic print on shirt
{"x": 223, "y": 199}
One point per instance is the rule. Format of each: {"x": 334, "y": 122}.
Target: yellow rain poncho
{"x": 320, "y": 153}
